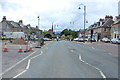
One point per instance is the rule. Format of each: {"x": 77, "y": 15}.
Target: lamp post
{"x": 38, "y": 21}
{"x": 84, "y": 19}
{"x": 38, "y": 45}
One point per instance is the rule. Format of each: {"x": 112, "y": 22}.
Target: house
{"x": 12, "y": 26}
{"x": 101, "y": 29}
{"x": 115, "y": 29}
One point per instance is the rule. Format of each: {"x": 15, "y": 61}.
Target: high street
{"x": 64, "y": 59}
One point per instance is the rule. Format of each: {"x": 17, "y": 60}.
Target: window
{"x": 105, "y": 29}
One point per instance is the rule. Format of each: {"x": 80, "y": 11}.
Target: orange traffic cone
{"x": 20, "y": 49}
{"x": 30, "y": 48}
{"x": 5, "y": 48}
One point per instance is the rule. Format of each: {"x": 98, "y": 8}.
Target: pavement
{"x": 65, "y": 59}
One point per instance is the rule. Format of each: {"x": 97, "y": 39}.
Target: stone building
{"x": 115, "y": 29}
{"x": 101, "y": 28}
{"x": 12, "y": 26}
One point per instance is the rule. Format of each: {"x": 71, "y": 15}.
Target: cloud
{"x": 60, "y": 12}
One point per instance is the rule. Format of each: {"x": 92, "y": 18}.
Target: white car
{"x": 115, "y": 40}
{"x": 76, "y": 39}
{"x": 46, "y": 39}
{"x": 105, "y": 40}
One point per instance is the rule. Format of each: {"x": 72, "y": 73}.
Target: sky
{"x": 64, "y": 13}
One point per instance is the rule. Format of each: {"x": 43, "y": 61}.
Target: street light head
{"x": 79, "y": 8}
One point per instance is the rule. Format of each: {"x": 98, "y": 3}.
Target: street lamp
{"x": 38, "y": 45}
{"x": 38, "y": 21}
{"x": 84, "y": 18}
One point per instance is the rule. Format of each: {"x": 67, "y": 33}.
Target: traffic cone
{"x": 30, "y": 48}
{"x": 20, "y": 49}
{"x": 5, "y": 48}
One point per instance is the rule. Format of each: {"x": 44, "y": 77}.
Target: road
{"x": 64, "y": 59}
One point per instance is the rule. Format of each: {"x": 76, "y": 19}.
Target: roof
{"x": 106, "y": 23}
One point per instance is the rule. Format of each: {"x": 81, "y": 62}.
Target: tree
{"x": 68, "y": 32}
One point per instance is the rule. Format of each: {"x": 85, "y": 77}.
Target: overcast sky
{"x": 60, "y": 12}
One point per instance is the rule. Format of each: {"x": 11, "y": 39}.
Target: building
{"x": 50, "y": 33}
{"x": 12, "y": 26}
{"x": 100, "y": 29}
{"x": 115, "y": 29}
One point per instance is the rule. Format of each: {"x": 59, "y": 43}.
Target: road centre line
{"x": 17, "y": 63}
{"x": 101, "y": 73}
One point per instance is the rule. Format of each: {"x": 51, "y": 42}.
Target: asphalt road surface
{"x": 64, "y": 59}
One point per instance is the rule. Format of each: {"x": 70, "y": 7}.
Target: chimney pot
{"x": 4, "y": 18}
{"x": 20, "y": 21}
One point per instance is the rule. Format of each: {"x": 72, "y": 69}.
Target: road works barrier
{"x": 30, "y": 47}
{"x": 5, "y": 47}
{"x": 20, "y": 49}
{"x": 8, "y": 47}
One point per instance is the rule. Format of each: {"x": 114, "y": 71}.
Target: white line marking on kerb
{"x": 101, "y": 73}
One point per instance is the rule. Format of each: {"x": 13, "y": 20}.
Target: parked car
{"x": 93, "y": 40}
{"x": 46, "y": 39}
{"x": 81, "y": 40}
{"x": 105, "y": 39}
{"x": 115, "y": 41}
{"x": 76, "y": 39}
{"x": 86, "y": 39}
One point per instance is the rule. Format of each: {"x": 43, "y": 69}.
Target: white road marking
{"x": 110, "y": 53}
{"x": 98, "y": 44}
{"x": 93, "y": 48}
{"x": 72, "y": 50}
{"x": 69, "y": 47}
{"x": 37, "y": 55}
{"x": 18, "y": 63}
{"x": 28, "y": 65}
{"x": 19, "y": 74}
{"x": 46, "y": 47}
{"x": 101, "y": 73}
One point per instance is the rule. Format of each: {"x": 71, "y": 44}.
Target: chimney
{"x": 101, "y": 19}
{"x": 37, "y": 27}
{"x": 20, "y": 21}
{"x": 108, "y": 17}
{"x": 4, "y": 18}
